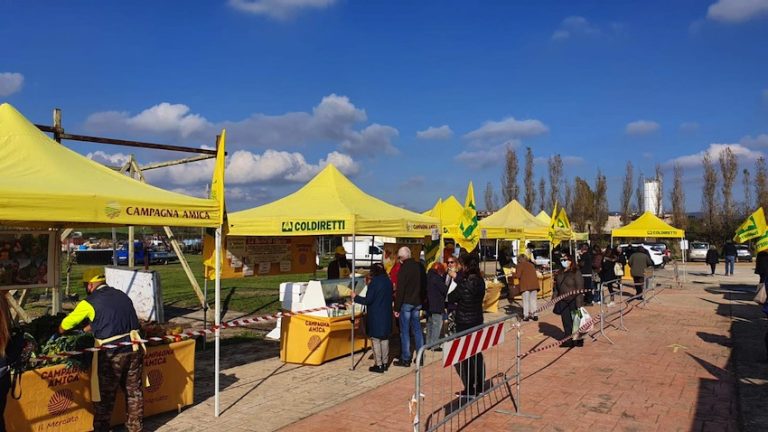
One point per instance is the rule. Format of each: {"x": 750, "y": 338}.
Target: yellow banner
{"x": 217, "y": 182}
{"x": 753, "y": 227}
{"x": 470, "y": 235}
{"x": 57, "y": 398}
{"x": 245, "y": 256}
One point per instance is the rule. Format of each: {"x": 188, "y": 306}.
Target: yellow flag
{"x": 468, "y": 223}
{"x": 217, "y": 182}
{"x": 433, "y": 248}
{"x": 552, "y": 227}
{"x": 762, "y": 242}
{"x": 753, "y": 227}
{"x": 562, "y": 220}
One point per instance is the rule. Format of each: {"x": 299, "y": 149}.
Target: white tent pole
{"x": 685, "y": 270}
{"x": 352, "y": 315}
{"x": 217, "y": 320}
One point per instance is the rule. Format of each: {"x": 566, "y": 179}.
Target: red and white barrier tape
{"x": 584, "y": 328}
{"x": 187, "y": 334}
{"x": 551, "y": 303}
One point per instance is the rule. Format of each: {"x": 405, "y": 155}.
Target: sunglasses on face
{"x": 451, "y": 262}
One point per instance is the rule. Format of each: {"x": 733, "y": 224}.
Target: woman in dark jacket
{"x": 568, "y": 281}
{"x": 378, "y": 321}
{"x": 436, "y": 292}
{"x": 712, "y": 258}
{"x": 761, "y": 265}
{"x": 608, "y": 272}
{"x": 468, "y": 295}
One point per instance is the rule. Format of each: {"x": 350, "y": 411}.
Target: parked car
{"x": 655, "y": 252}
{"x": 697, "y": 251}
{"x": 743, "y": 253}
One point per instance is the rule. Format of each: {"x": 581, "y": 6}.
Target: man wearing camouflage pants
{"x": 112, "y": 320}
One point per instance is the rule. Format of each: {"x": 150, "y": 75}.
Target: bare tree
{"x": 509, "y": 186}
{"x": 555, "y": 165}
{"x": 542, "y": 193}
{"x": 600, "y": 208}
{"x": 660, "y": 190}
{"x": 729, "y": 168}
{"x": 529, "y": 181}
{"x": 583, "y": 203}
{"x": 761, "y": 184}
{"x": 709, "y": 198}
{"x": 677, "y": 197}
{"x": 747, "y": 183}
{"x": 568, "y": 197}
{"x": 626, "y": 193}
{"x": 640, "y": 193}
{"x": 490, "y": 198}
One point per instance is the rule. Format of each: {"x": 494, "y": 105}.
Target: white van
{"x": 366, "y": 252}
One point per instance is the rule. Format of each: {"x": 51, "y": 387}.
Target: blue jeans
{"x": 730, "y": 260}
{"x": 434, "y": 327}
{"x": 409, "y": 322}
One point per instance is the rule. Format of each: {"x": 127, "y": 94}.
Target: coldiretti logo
{"x": 660, "y": 232}
{"x": 309, "y": 226}
{"x": 112, "y": 210}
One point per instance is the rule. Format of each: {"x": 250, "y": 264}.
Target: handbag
{"x": 581, "y": 316}
{"x": 560, "y": 307}
{"x": 760, "y": 297}
{"x": 618, "y": 269}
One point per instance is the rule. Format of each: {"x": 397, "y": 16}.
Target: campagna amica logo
{"x": 60, "y": 402}
{"x": 155, "y": 377}
{"x": 112, "y": 210}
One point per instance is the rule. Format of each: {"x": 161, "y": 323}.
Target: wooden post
{"x": 20, "y": 313}
{"x": 56, "y": 291}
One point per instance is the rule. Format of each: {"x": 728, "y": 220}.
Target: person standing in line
{"x": 339, "y": 267}
{"x": 468, "y": 296}
{"x": 585, "y": 265}
{"x": 712, "y": 259}
{"x": 639, "y": 261}
{"x": 761, "y": 266}
{"x": 608, "y": 273}
{"x": 378, "y": 320}
{"x": 729, "y": 252}
{"x": 568, "y": 281}
{"x": 112, "y": 319}
{"x": 437, "y": 291}
{"x": 528, "y": 283}
{"x": 411, "y": 287}
{"x": 597, "y": 265}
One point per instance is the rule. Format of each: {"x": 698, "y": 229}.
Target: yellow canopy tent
{"x": 330, "y": 204}
{"x": 46, "y": 184}
{"x": 449, "y": 213}
{"x": 544, "y": 217}
{"x": 513, "y": 222}
{"x": 648, "y": 225}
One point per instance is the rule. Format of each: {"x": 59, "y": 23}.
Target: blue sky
{"x": 301, "y": 83}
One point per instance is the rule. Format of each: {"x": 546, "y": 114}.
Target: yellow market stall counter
{"x": 57, "y": 398}
{"x": 314, "y": 340}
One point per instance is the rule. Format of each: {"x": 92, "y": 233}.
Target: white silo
{"x": 652, "y": 199}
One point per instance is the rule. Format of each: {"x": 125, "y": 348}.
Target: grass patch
{"x": 252, "y": 295}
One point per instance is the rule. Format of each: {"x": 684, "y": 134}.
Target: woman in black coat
{"x": 436, "y": 293}
{"x": 569, "y": 280}
{"x": 468, "y": 295}
{"x": 378, "y": 320}
{"x": 712, "y": 259}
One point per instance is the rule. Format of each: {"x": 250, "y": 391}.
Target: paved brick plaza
{"x": 678, "y": 368}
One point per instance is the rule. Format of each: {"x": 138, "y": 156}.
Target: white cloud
{"x": 279, "y": 9}
{"x": 689, "y": 127}
{"x": 10, "y": 83}
{"x": 574, "y": 26}
{"x": 742, "y": 153}
{"x": 641, "y": 127}
{"x": 508, "y": 129}
{"x": 163, "y": 119}
{"x": 485, "y": 158}
{"x": 760, "y": 141}
{"x": 736, "y": 11}
{"x": 443, "y": 132}
{"x": 244, "y": 167}
{"x": 110, "y": 159}
{"x": 335, "y": 119}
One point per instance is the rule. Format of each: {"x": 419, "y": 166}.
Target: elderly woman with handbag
{"x": 566, "y": 282}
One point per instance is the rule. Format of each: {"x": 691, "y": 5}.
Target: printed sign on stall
{"x": 245, "y": 256}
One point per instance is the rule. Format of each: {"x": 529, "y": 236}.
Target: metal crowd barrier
{"x": 437, "y": 403}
